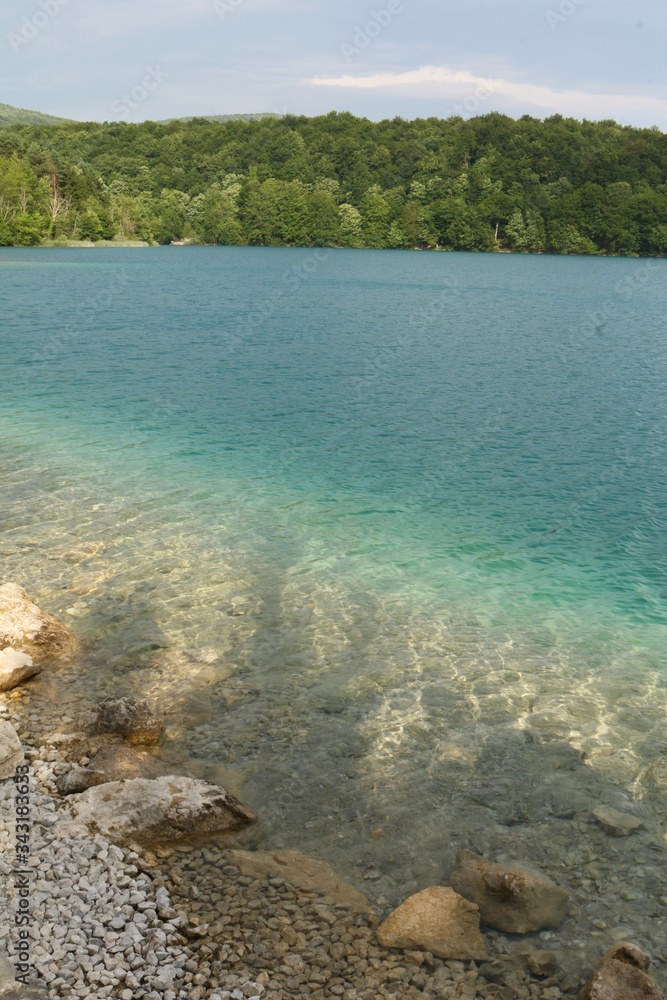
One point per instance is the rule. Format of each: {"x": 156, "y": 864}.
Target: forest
{"x": 488, "y": 183}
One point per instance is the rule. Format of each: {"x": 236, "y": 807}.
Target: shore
{"x": 209, "y": 919}
{"x": 184, "y": 922}
{"x": 68, "y": 244}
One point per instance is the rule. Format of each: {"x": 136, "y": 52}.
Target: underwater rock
{"x": 126, "y": 717}
{"x": 303, "y": 872}
{"x": 437, "y": 920}
{"x": 152, "y": 810}
{"x": 622, "y": 975}
{"x": 540, "y": 963}
{"x": 616, "y": 823}
{"x": 26, "y": 628}
{"x": 15, "y": 667}
{"x": 11, "y": 751}
{"x": 514, "y": 900}
{"x": 66, "y": 742}
{"x": 79, "y": 779}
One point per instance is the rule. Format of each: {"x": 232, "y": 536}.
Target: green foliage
{"x": 25, "y": 229}
{"x": 489, "y": 183}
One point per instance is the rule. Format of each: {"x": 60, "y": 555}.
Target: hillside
{"x": 254, "y": 117}
{"x": 488, "y": 183}
{"x": 12, "y": 116}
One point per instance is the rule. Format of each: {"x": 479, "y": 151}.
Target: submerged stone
{"x": 616, "y": 823}
{"x": 622, "y": 975}
{"x": 540, "y": 963}
{"x": 514, "y": 900}
{"x": 125, "y": 717}
{"x": 438, "y": 920}
{"x": 79, "y": 779}
{"x": 303, "y": 872}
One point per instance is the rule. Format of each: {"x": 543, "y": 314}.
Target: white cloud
{"x": 438, "y": 81}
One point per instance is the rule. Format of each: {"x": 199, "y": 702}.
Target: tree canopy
{"x": 487, "y": 183}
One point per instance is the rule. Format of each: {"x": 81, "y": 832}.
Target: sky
{"x": 132, "y": 60}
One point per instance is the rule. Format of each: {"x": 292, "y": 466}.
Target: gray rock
{"x": 11, "y": 751}
{"x": 79, "y": 779}
{"x": 622, "y": 975}
{"x": 514, "y": 900}
{"x": 152, "y": 810}
{"x": 126, "y": 717}
{"x": 15, "y": 667}
{"x": 36, "y": 991}
{"x": 616, "y": 823}
{"x": 7, "y": 974}
{"x": 11, "y": 990}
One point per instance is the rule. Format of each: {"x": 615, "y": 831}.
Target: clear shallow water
{"x": 413, "y": 503}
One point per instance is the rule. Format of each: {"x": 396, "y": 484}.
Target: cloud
{"x": 438, "y": 81}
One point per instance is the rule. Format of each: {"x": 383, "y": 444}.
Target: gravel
{"x": 185, "y": 924}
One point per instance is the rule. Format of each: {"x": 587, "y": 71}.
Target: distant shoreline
{"x": 143, "y": 244}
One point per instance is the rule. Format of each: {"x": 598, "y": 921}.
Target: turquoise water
{"x": 413, "y": 502}
{"x": 462, "y": 430}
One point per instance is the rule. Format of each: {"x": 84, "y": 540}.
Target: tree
{"x": 218, "y": 221}
{"x": 58, "y": 206}
{"x": 350, "y": 226}
{"x": 482, "y": 184}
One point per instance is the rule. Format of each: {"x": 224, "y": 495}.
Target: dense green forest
{"x": 488, "y": 183}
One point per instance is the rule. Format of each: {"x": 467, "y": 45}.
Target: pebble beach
{"x": 182, "y": 922}
{"x": 185, "y": 923}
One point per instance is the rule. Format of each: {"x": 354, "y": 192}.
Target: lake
{"x": 383, "y": 531}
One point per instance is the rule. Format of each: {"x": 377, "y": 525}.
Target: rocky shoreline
{"x": 127, "y": 904}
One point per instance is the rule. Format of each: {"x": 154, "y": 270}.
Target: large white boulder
{"x": 15, "y": 667}
{"x": 26, "y": 628}
{"x": 152, "y": 810}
